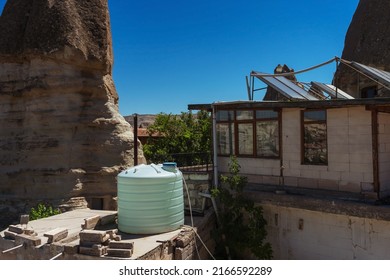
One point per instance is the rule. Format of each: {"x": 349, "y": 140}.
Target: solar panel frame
{"x": 331, "y": 90}
{"x": 380, "y": 75}
{"x": 284, "y": 86}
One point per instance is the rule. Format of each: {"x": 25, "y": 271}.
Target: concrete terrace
{"x": 177, "y": 244}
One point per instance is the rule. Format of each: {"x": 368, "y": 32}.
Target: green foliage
{"x": 184, "y": 133}
{"x": 43, "y": 210}
{"x": 242, "y": 226}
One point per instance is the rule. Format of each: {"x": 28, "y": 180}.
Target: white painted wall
{"x": 309, "y": 235}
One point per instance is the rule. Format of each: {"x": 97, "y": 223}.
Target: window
{"x": 267, "y": 134}
{"x": 249, "y": 133}
{"x": 225, "y": 136}
{"x": 245, "y": 138}
{"x": 369, "y": 92}
{"x": 314, "y": 142}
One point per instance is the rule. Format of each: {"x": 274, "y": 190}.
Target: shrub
{"x": 43, "y": 210}
{"x": 242, "y": 225}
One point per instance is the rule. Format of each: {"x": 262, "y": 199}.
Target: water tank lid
{"x": 170, "y": 164}
{"x": 147, "y": 171}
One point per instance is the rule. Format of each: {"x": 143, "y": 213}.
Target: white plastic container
{"x": 150, "y": 199}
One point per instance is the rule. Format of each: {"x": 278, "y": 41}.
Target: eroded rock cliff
{"x": 62, "y": 139}
{"x": 368, "y": 42}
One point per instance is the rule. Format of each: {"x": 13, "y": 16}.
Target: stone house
{"x": 339, "y": 145}
{"x": 320, "y": 137}
{"x": 319, "y": 166}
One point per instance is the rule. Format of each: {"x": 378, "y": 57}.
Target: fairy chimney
{"x": 367, "y": 42}
{"x": 62, "y": 139}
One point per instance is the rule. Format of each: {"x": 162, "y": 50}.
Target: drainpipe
{"x": 215, "y": 156}
{"x": 215, "y": 161}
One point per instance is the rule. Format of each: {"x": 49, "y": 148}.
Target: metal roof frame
{"x": 283, "y": 85}
{"x": 333, "y": 91}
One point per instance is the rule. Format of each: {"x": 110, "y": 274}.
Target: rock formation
{"x": 367, "y": 42}
{"x": 62, "y": 139}
{"x": 271, "y": 93}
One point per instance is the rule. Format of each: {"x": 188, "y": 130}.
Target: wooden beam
{"x": 375, "y": 151}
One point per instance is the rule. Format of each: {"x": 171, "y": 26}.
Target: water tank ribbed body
{"x": 150, "y": 199}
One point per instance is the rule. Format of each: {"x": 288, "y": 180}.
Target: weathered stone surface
{"x": 56, "y": 234}
{"x": 367, "y": 41}
{"x": 120, "y": 253}
{"x": 18, "y": 229}
{"x": 125, "y": 244}
{"x": 97, "y": 236}
{"x": 24, "y": 219}
{"x": 108, "y": 219}
{"x": 93, "y": 251}
{"x": 28, "y": 240}
{"x": 61, "y": 133}
{"x": 90, "y": 222}
{"x": 71, "y": 248}
{"x": 10, "y": 234}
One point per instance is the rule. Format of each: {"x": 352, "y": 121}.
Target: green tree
{"x": 242, "y": 225}
{"x": 184, "y": 133}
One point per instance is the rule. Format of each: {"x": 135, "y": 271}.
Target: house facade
{"x": 338, "y": 145}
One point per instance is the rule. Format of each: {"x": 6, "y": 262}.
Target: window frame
{"x": 253, "y": 121}
{"x": 303, "y": 123}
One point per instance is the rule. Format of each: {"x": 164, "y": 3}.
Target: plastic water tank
{"x": 150, "y": 199}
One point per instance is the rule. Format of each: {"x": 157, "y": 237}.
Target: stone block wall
{"x": 302, "y": 234}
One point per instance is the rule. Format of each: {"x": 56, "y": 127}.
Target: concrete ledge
{"x": 324, "y": 201}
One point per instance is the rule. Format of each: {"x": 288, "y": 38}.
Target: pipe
{"x": 215, "y": 162}
{"x": 13, "y": 248}
{"x": 215, "y": 147}
{"x": 256, "y": 74}
{"x": 135, "y": 139}
{"x": 56, "y": 256}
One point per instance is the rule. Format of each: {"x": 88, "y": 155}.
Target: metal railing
{"x": 190, "y": 162}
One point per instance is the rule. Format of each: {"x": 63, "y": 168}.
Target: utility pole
{"x": 135, "y": 128}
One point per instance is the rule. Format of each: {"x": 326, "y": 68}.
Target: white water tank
{"x": 150, "y": 199}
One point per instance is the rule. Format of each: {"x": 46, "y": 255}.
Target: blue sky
{"x": 168, "y": 54}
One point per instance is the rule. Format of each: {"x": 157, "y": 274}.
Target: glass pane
{"x": 245, "y": 139}
{"x": 266, "y": 114}
{"x": 315, "y": 147}
{"x": 267, "y": 138}
{"x": 225, "y": 115}
{"x": 244, "y": 115}
{"x": 225, "y": 138}
{"x": 315, "y": 115}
